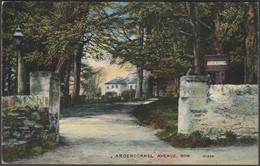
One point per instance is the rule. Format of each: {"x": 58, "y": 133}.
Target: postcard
{"x": 103, "y": 82}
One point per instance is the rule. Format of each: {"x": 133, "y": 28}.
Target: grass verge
{"x": 163, "y": 114}
{"x": 17, "y": 152}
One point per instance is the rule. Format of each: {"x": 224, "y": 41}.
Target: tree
{"x": 55, "y": 32}
{"x": 90, "y": 80}
{"x": 191, "y": 7}
{"x": 250, "y": 44}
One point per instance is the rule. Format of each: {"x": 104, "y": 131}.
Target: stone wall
{"x": 24, "y": 100}
{"x": 215, "y": 110}
{"x": 26, "y": 125}
{"x": 33, "y": 118}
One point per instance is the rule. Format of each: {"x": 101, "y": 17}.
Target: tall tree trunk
{"x": 158, "y": 87}
{"x": 139, "y": 92}
{"x": 150, "y": 87}
{"x": 218, "y": 43}
{"x": 67, "y": 79}
{"x": 64, "y": 83}
{"x": 77, "y": 71}
{"x": 250, "y": 45}
{"x": 197, "y": 57}
{"x": 176, "y": 82}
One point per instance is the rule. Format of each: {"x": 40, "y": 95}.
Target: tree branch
{"x": 185, "y": 32}
{"x": 204, "y": 24}
{"x": 125, "y": 33}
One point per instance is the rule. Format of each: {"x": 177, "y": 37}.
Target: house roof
{"x": 134, "y": 81}
{"x": 116, "y": 81}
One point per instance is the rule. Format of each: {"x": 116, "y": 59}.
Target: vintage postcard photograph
{"x": 117, "y": 82}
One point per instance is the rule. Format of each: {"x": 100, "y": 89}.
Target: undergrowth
{"x": 17, "y": 152}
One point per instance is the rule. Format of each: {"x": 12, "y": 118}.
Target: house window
{"x": 131, "y": 87}
{"x": 116, "y": 86}
{"x": 112, "y": 86}
{"x": 135, "y": 86}
{"x": 107, "y": 87}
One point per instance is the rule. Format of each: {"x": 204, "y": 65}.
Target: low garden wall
{"x": 27, "y": 125}
{"x": 25, "y": 100}
{"x": 215, "y": 110}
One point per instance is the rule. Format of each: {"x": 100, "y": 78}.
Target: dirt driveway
{"x": 109, "y": 134}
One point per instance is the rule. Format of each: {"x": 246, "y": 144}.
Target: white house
{"x": 117, "y": 85}
{"x": 132, "y": 84}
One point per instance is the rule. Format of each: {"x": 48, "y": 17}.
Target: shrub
{"x": 231, "y": 137}
{"x": 191, "y": 141}
{"x": 128, "y": 94}
{"x": 171, "y": 91}
{"x": 111, "y": 94}
{"x": 14, "y": 152}
{"x": 24, "y": 151}
{"x": 81, "y": 99}
{"x": 49, "y": 145}
{"x": 246, "y": 140}
{"x": 36, "y": 150}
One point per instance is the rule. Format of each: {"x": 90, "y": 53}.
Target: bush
{"x": 191, "y": 141}
{"x": 49, "y": 145}
{"x": 14, "y": 152}
{"x": 36, "y": 150}
{"x": 111, "y": 94}
{"x": 128, "y": 94}
{"x": 17, "y": 152}
{"x": 171, "y": 91}
{"x": 246, "y": 140}
{"x": 81, "y": 99}
{"x": 232, "y": 139}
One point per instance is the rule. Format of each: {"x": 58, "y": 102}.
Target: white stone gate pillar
{"x": 48, "y": 84}
{"x": 192, "y": 101}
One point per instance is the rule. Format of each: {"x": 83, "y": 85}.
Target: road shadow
{"x": 90, "y": 110}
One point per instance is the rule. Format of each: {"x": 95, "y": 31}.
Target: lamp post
{"x": 18, "y": 38}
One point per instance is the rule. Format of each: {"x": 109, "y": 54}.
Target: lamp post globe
{"x": 18, "y": 36}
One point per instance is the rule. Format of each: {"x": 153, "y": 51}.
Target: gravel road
{"x": 110, "y": 134}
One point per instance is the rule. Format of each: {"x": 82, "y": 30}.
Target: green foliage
{"x": 158, "y": 36}
{"x": 232, "y": 139}
{"x": 49, "y": 145}
{"x": 171, "y": 91}
{"x": 53, "y": 31}
{"x": 246, "y": 140}
{"x": 161, "y": 114}
{"x": 128, "y": 94}
{"x": 37, "y": 150}
{"x": 18, "y": 152}
{"x": 154, "y": 36}
{"x": 90, "y": 80}
{"x": 191, "y": 141}
{"x": 111, "y": 94}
